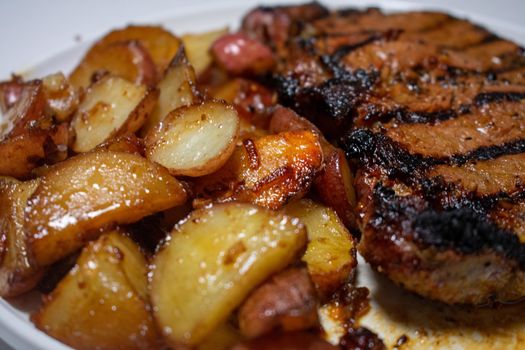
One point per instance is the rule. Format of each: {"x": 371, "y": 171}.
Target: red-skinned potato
{"x": 128, "y": 60}
{"x": 240, "y": 55}
{"x": 17, "y": 273}
{"x": 79, "y": 197}
{"x": 194, "y": 140}
{"x": 111, "y": 107}
{"x": 160, "y": 44}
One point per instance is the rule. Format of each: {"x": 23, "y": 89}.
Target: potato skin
{"x": 215, "y": 258}
{"x": 84, "y": 194}
{"x": 269, "y": 171}
{"x": 17, "y": 274}
{"x": 127, "y": 59}
{"x": 102, "y": 302}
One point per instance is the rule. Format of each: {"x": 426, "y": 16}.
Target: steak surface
{"x": 431, "y": 111}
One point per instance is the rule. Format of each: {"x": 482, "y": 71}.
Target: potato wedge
{"x": 212, "y": 262}
{"x": 197, "y": 47}
{"x": 62, "y": 98}
{"x": 23, "y": 153}
{"x": 89, "y": 192}
{"x": 268, "y": 172}
{"x": 111, "y": 107}
{"x": 177, "y": 88}
{"x": 331, "y": 253}
{"x": 161, "y": 45}
{"x": 102, "y": 302}
{"x": 17, "y": 274}
{"x": 194, "y": 140}
{"x": 128, "y": 60}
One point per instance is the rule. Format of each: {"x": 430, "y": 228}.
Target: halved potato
{"x": 128, "y": 60}
{"x": 177, "y": 89}
{"x": 160, "y": 43}
{"x": 21, "y": 154}
{"x": 102, "y": 302}
{"x": 87, "y": 193}
{"x": 17, "y": 273}
{"x": 197, "y": 47}
{"x": 194, "y": 140}
{"x": 111, "y": 107}
{"x": 331, "y": 254}
{"x": 268, "y": 171}
{"x": 212, "y": 262}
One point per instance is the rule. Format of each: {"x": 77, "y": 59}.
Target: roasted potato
{"x": 161, "y": 45}
{"x": 211, "y": 263}
{"x": 79, "y": 197}
{"x": 335, "y": 186}
{"x": 29, "y": 108}
{"x": 197, "y": 47}
{"x": 62, "y": 98}
{"x": 287, "y": 301}
{"x": 195, "y": 140}
{"x": 331, "y": 253}
{"x": 335, "y": 182}
{"x": 111, "y": 107}
{"x": 253, "y": 101}
{"x": 240, "y": 54}
{"x": 10, "y": 91}
{"x": 127, "y": 59}
{"x": 177, "y": 88}
{"x": 17, "y": 273}
{"x": 268, "y": 172}
{"x": 22, "y": 153}
{"x": 102, "y": 303}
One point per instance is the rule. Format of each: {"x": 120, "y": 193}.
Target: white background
{"x": 34, "y": 31}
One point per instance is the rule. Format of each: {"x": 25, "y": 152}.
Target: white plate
{"x": 50, "y": 42}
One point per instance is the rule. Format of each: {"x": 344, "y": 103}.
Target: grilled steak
{"x": 430, "y": 109}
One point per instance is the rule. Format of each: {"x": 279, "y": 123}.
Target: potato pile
{"x": 160, "y": 197}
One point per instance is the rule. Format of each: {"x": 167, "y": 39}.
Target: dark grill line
{"x": 498, "y": 96}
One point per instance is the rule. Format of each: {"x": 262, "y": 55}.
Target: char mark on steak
{"x": 431, "y": 111}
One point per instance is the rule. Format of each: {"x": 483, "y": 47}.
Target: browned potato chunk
{"x": 197, "y": 47}
{"x": 111, "y": 107}
{"x": 194, "y": 140}
{"x": 22, "y": 153}
{"x": 29, "y": 107}
{"x": 82, "y": 195}
{"x": 159, "y": 43}
{"x": 177, "y": 88}
{"x": 287, "y": 301}
{"x": 102, "y": 302}
{"x": 61, "y": 98}
{"x": 17, "y": 274}
{"x": 330, "y": 255}
{"x": 128, "y": 60}
{"x": 213, "y": 260}
{"x": 10, "y": 91}
{"x": 268, "y": 171}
